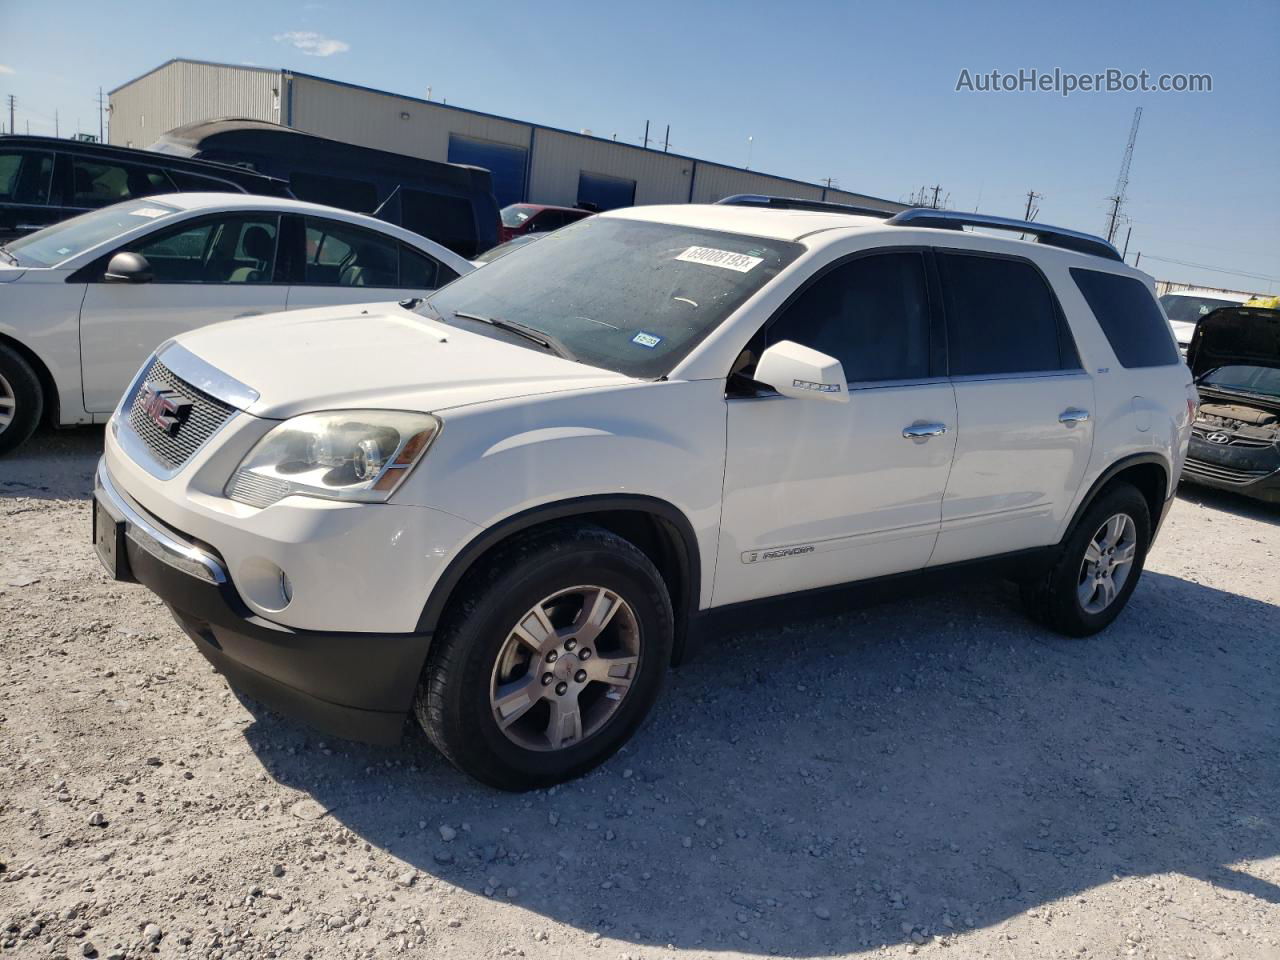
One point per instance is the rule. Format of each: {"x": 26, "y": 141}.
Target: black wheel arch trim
{"x": 1109, "y": 474}
{"x": 689, "y": 557}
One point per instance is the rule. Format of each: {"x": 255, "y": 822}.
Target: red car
{"x": 522, "y": 218}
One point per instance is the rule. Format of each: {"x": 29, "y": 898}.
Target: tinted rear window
{"x": 1001, "y": 318}
{"x": 1129, "y": 316}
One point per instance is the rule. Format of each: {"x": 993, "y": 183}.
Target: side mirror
{"x": 802, "y": 373}
{"x": 128, "y": 268}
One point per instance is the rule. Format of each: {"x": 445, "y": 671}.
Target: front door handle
{"x": 1073, "y": 415}
{"x": 923, "y": 431}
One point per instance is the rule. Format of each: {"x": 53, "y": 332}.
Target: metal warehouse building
{"x": 527, "y": 161}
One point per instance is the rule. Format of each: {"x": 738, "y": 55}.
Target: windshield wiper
{"x": 544, "y": 340}
{"x": 5, "y": 250}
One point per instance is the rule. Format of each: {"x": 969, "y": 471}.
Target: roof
{"x": 891, "y": 205}
{"x": 767, "y": 222}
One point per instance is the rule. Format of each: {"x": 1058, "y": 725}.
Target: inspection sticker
{"x": 150, "y": 212}
{"x": 649, "y": 340}
{"x": 727, "y": 259}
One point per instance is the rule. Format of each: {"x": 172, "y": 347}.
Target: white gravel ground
{"x": 933, "y": 775}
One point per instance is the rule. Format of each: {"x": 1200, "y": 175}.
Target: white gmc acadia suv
{"x": 509, "y": 507}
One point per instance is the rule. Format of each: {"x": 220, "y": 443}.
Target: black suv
{"x": 45, "y": 179}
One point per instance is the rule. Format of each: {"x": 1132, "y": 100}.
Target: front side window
{"x": 625, "y": 295}
{"x": 1130, "y": 318}
{"x": 1001, "y": 317}
{"x": 61, "y": 241}
{"x": 98, "y": 183}
{"x": 338, "y": 254}
{"x": 25, "y": 176}
{"x": 871, "y": 314}
{"x": 238, "y": 249}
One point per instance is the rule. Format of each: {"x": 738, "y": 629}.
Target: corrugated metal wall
{"x": 184, "y": 91}
{"x": 559, "y": 158}
{"x": 374, "y": 119}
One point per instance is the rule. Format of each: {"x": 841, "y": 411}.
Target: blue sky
{"x": 862, "y": 92}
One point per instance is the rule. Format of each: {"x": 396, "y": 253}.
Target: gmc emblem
{"x": 166, "y": 408}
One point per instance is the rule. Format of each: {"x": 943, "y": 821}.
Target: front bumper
{"x": 354, "y": 685}
{"x": 1253, "y": 471}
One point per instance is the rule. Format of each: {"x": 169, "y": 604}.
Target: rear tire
{"x": 522, "y": 689}
{"x": 21, "y": 400}
{"x": 1097, "y": 567}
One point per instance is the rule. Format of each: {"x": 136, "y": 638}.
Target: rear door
{"x": 207, "y": 269}
{"x": 1024, "y": 404}
{"x": 343, "y": 263}
{"x": 26, "y": 187}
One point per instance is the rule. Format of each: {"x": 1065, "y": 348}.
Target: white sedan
{"x": 85, "y": 301}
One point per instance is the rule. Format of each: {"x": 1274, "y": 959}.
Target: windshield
{"x": 626, "y": 295}
{"x": 516, "y": 214}
{"x": 52, "y": 245}
{"x": 1191, "y": 309}
{"x": 1260, "y": 380}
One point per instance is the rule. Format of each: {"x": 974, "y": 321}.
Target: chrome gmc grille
{"x": 206, "y": 415}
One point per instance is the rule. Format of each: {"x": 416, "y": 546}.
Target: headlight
{"x": 361, "y": 455}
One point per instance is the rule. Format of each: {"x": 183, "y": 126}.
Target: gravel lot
{"x": 933, "y": 775}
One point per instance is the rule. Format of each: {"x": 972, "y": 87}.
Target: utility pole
{"x": 937, "y": 188}
{"x": 666, "y": 140}
{"x": 1127, "y": 235}
{"x": 750, "y": 144}
{"x": 55, "y": 124}
{"x": 1113, "y": 217}
{"x": 1032, "y": 210}
{"x": 646, "y": 134}
{"x": 1138, "y": 258}
{"x": 101, "y": 118}
{"x": 12, "y": 128}
{"x": 830, "y": 182}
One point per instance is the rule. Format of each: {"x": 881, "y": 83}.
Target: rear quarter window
{"x": 1130, "y": 318}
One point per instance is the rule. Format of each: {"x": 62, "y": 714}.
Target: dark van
{"x": 45, "y": 179}
{"x": 450, "y": 203}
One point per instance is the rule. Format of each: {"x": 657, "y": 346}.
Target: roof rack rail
{"x": 1050, "y": 236}
{"x": 798, "y": 203}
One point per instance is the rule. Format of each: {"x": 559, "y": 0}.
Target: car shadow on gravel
{"x": 1229, "y": 502}
{"x": 53, "y": 465}
{"x": 886, "y": 775}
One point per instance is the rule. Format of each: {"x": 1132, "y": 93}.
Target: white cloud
{"x": 6, "y": 69}
{"x": 313, "y": 44}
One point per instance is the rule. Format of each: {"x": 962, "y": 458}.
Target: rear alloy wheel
{"x": 21, "y": 399}
{"x": 1097, "y": 567}
{"x": 548, "y": 657}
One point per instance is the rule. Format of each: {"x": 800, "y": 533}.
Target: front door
{"x": 204, "y": 270}
{"x": 1025, "y": 405}
{"x": 818, "y": 493}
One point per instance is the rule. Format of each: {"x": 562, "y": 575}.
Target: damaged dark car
{"x": 1235, "y": 441}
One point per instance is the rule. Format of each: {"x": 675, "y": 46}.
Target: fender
{"x": 688, "y": 558}
{"x": 1109, "y": 474}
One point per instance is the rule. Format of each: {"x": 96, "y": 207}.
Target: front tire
{"x": 548, "y": 659}
{"x": 21, "y": 400}
{"x": 1098, "y": 565}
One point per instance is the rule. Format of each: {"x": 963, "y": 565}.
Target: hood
{"x": 1235, "y": 335}
{"x": 378, "y": 355}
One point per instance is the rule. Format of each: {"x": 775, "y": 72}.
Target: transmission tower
{"x": 1122, "y": 181}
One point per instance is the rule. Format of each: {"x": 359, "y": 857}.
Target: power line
{"x": 1205, "y": 266}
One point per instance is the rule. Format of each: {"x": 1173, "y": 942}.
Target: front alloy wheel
{"x": 547, "y": 658}
{"x": 565, "y": 668}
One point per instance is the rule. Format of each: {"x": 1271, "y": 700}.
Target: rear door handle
{"x": 1073, "y": 415}
{"x": 923, "y": 431}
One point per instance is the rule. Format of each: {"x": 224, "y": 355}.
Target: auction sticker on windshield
{"x": 727, "y": 259}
